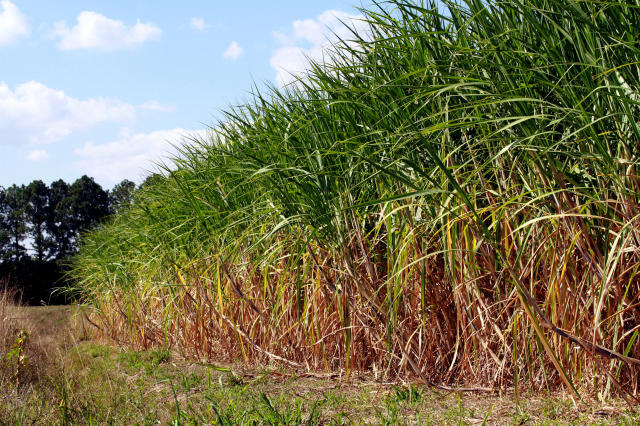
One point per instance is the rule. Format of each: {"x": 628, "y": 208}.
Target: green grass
{"x": 111, "y": 389}
{"x": 452, "y": 196}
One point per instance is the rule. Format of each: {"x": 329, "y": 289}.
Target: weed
{"x": 408, "y": 393}
{"x": 189, "y": 381}
{"x": 520, "y": 416}
{"x": 457, "y": 413}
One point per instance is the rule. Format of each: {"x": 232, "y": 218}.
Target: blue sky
{"x": 103, "y": 88}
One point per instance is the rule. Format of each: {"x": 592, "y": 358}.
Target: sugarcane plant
{"x": 450, "y": 195}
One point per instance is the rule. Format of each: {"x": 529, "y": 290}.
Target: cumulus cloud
{"x": 38, "y": 155}
{"x": 34, "y": 113}
{"x": 198, "y": 24}
{"x": 308, "y": 39}
{"x": 233, "y": 52}
{"x": 96, "y": 31}
{"x": 157, "y": 106}
{"x": 13, "y": 24}
{"x": 131, "y": 156}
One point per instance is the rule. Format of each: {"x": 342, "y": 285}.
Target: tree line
{"x": 40, "y": 226}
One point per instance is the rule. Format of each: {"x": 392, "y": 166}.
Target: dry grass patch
{"x": 33, "y": 346}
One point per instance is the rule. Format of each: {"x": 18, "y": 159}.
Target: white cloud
{"x": 309, "y": 38}
{"x": 198, "y": 24}
{"x": 233, "y": 52}
{"x": 38, "y": 155}
{"x": 131, "y": 156}
{"x": 34, "y": 113}
{"x": 13, "y": 24}
{"x": 157, "y": 106}
{"x": 96, "y": 31}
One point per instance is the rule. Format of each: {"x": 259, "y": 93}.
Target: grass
{"x": 451, "y": 197}
{"x": 81, "y": 380}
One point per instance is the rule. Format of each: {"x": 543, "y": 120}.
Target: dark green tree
{"x": 89, "y": 204}
{"x": 15, "y": 204}
{"x": 5, "y": 239}
{"x": 59, "y": 220}
{"x": 121, "y": 195}
{"x": 37, "y": 212}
